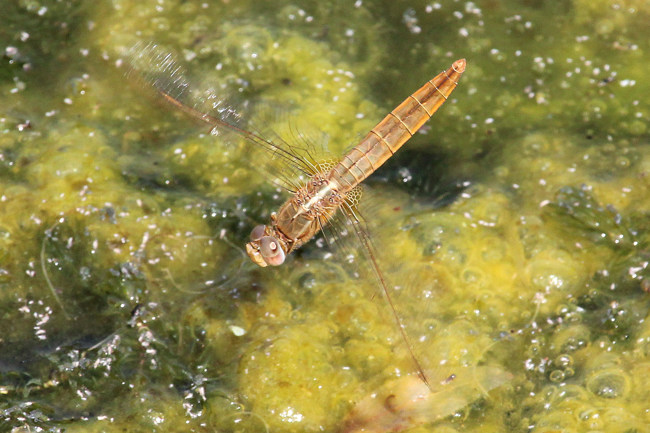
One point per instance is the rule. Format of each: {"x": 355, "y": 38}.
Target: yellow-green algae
{"x": 117, "y": 209}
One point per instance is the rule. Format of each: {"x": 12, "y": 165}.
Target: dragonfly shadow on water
{"x": 325, "y": 197}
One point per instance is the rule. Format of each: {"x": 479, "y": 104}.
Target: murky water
{"x": 516, "y": 226}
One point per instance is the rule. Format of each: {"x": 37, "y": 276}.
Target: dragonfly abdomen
{"x": 396, "y": 129}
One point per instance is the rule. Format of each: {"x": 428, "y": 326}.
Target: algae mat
{"x": 515, "y": 227}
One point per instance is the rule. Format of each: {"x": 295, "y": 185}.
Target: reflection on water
{"x": 408, "y": 402}
{"x": 536, "y": 264}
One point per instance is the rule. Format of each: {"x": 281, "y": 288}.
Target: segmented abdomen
{"x": 396, "y": 128}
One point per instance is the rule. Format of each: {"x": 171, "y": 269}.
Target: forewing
{"x": 282, "y": 155}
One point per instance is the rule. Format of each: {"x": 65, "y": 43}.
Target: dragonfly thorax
{"x": 296, "y": 222}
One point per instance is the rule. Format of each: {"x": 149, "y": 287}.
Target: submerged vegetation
{"x": 516, "y": 225}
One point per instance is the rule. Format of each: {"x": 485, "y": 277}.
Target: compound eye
{"x": 258, "y": 232}
{"x": 271, "y": 251}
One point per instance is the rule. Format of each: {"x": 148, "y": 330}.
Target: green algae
{"x": 127, "y": 303}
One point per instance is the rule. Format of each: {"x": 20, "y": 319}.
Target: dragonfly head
{"x": 265, "y": 249}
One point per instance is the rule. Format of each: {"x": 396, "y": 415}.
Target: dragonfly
{"x": 328, "y": 189}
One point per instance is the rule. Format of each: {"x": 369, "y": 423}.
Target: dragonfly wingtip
{"x": 459, "y": 65}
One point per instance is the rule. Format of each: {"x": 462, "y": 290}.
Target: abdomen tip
{"x": 459, "y": 66}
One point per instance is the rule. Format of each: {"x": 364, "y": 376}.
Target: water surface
{"x": 516, "y": 225}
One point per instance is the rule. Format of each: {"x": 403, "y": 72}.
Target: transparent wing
{"x": 408, "y": 281}
{"x": 376, "y": 265}
{"x": 284, "y": 156}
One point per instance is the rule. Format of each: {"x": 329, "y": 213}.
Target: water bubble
{"x": 563, "y": 361}
{"x": 591, "y": 419}
{"x": 573, "y": 393}
{"x": 609, "y": 383}
{"x": 556, "y": 376}
{"x": 307, "y": 281}
{"x": 571, "y": 338}
{"x": 472, "y": 275}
